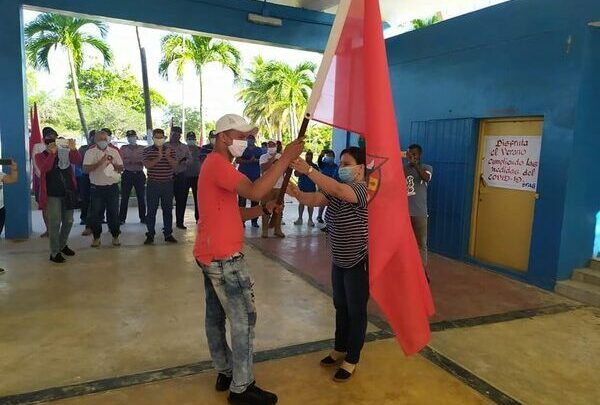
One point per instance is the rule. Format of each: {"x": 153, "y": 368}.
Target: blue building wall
{"x": 520, "y": 58}
{"x": 302, "y": 29}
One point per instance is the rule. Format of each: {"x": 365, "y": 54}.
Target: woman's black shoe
{"x": 252, "y": 396}
{"x": 342, "y": 375}
{"x": 58, "y": 258}
{"x": 68, "y": 251}
{"x": 223, "y": 382}
{"x": 329, "y": 362}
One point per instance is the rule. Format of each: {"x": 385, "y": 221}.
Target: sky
{"x": 219, "y": 88}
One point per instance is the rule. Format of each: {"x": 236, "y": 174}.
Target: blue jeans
{"x": 350, "y": 298}
{"x": 230, "y": 294}
{"x": 60, "y": 222}
{"x": 104, "y": 198}
{"x": 160, "y": 191}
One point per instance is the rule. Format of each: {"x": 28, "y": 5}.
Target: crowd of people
{"x": 224, "y": 175}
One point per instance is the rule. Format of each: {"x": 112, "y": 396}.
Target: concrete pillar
{"x": 13, "y": 124}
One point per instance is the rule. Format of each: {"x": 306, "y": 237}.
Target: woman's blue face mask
{"x": 347, "y": 174}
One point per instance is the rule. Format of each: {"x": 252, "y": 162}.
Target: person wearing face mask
{"x": 306, "y": 185}
{"x": 192, "y": 171}
{"x": 208, "y": 148}
{"x": 266, "y": 162}
{"x": 57, "y": 188}
{"x": 83, "y": 184}
{"x": 249, "y": 166}
{"x": 161, "y": 162}
{"x": 218, "y": 251}
{"x": 347, "y": 220}
{"x": 133, "y": 177}
{"x": 180, "y": 189}
{"x": 104, "y": 164}
{"x": 328, "y": 167}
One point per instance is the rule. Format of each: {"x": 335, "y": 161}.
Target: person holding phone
{"x": 11, "y": 177}
{"x": 180, "y": 189}
{"x": 58, "y": 190}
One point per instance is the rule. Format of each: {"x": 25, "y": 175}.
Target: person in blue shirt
{"x": 306, "y": 185}
{"x": 249, "y": 166}
{"x": 328, "y": 167}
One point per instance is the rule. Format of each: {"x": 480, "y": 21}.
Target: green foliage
{"x": 172, "y": 113}
{"x": 61, "y": 114}
{"x": 419, "y": 23}
{"x": 49, "y": 31}
{"x": 98, "y": 83}
{"x": 318, "y": 137}
{"x": 275, "y": 95}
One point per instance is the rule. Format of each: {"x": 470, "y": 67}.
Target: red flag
{"x": 353, "y": 92}
{"x": 36, "y": 134}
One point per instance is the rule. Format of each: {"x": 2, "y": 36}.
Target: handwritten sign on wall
{"x": 512, "y": 162}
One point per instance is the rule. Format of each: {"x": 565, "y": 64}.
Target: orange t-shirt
{"x": 220, "y": 233}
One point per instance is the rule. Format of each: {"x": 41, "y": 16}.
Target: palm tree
{"x": 422, "y": 23}
{"x": 179, "y": 50}
{"x": 276, "y": 92}
{"x": 51, "y": 31}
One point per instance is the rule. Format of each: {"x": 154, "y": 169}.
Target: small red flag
{"x": 36, "y": 134}
{"x": 353, "y": 92}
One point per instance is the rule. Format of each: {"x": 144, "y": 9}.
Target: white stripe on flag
{"x": 332, "y": 43}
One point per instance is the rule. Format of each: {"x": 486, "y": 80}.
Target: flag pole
{"x": 288, "y": 173}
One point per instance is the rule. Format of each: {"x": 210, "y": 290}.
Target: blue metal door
{"x": 450, "y": 147}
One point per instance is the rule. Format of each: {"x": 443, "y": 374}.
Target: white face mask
{"x": 159, "y": 141}
{"x": 238, "y": 147}
{"x": 272, "y": 151}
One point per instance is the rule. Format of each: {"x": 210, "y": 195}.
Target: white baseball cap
{"x": 234, "y": 121}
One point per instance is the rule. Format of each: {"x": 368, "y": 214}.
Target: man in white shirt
{"x": 266, "y": 161}
{"x": 103, "y": 164}
{"x": 12, "y": 177}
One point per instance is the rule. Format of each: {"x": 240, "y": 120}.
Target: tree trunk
{"x": 183, "y": 104}
{"x": 76, "y": 91}
{"x": 201, "y": 104}
{"x": 147, "y": 101}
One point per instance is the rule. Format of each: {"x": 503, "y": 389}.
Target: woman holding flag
{"x": 346, "y": 218}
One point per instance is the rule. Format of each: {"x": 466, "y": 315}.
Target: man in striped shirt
{"x": 161, "y": 162}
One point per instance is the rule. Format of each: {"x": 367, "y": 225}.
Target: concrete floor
{"x": 114, "y": 312}
{"x": 300, "y": 381}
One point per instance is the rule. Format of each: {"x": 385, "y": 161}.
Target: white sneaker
{"x": 96, "y": 243}
{"x": 116, "y": 241}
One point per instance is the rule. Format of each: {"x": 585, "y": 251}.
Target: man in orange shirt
{"x": 218, "y": 251}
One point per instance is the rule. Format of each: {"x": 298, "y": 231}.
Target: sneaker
{"x": 87, "y": 231}
{"x": 255, "y": 224}
{"x": 311, "y": 223}
{"x": 280, "y": 235}
{"x": 1, "y": 270}
{"x": 330, "y": 361}
{"x": 96, "y": 243}
{"x": 58, "y": 258}
{"x": 68, "y": 251}
{"x": 116, "y": 241}
{"x": 82, "y": 223}
{"x": 149, "y": 240}
{"x": 320, "y": 220}
{"x": 252, "y": 396}
{"x": 181, "y": 226}
{"x": 298, "y": 221}
{"x": 143, "y": 221}
{"x": 170, "y": 239}
{"x": 223, "y": 382}
{"x": 44, "y": 235}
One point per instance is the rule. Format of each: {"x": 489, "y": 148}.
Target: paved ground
{"x": 127, "y": 323}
